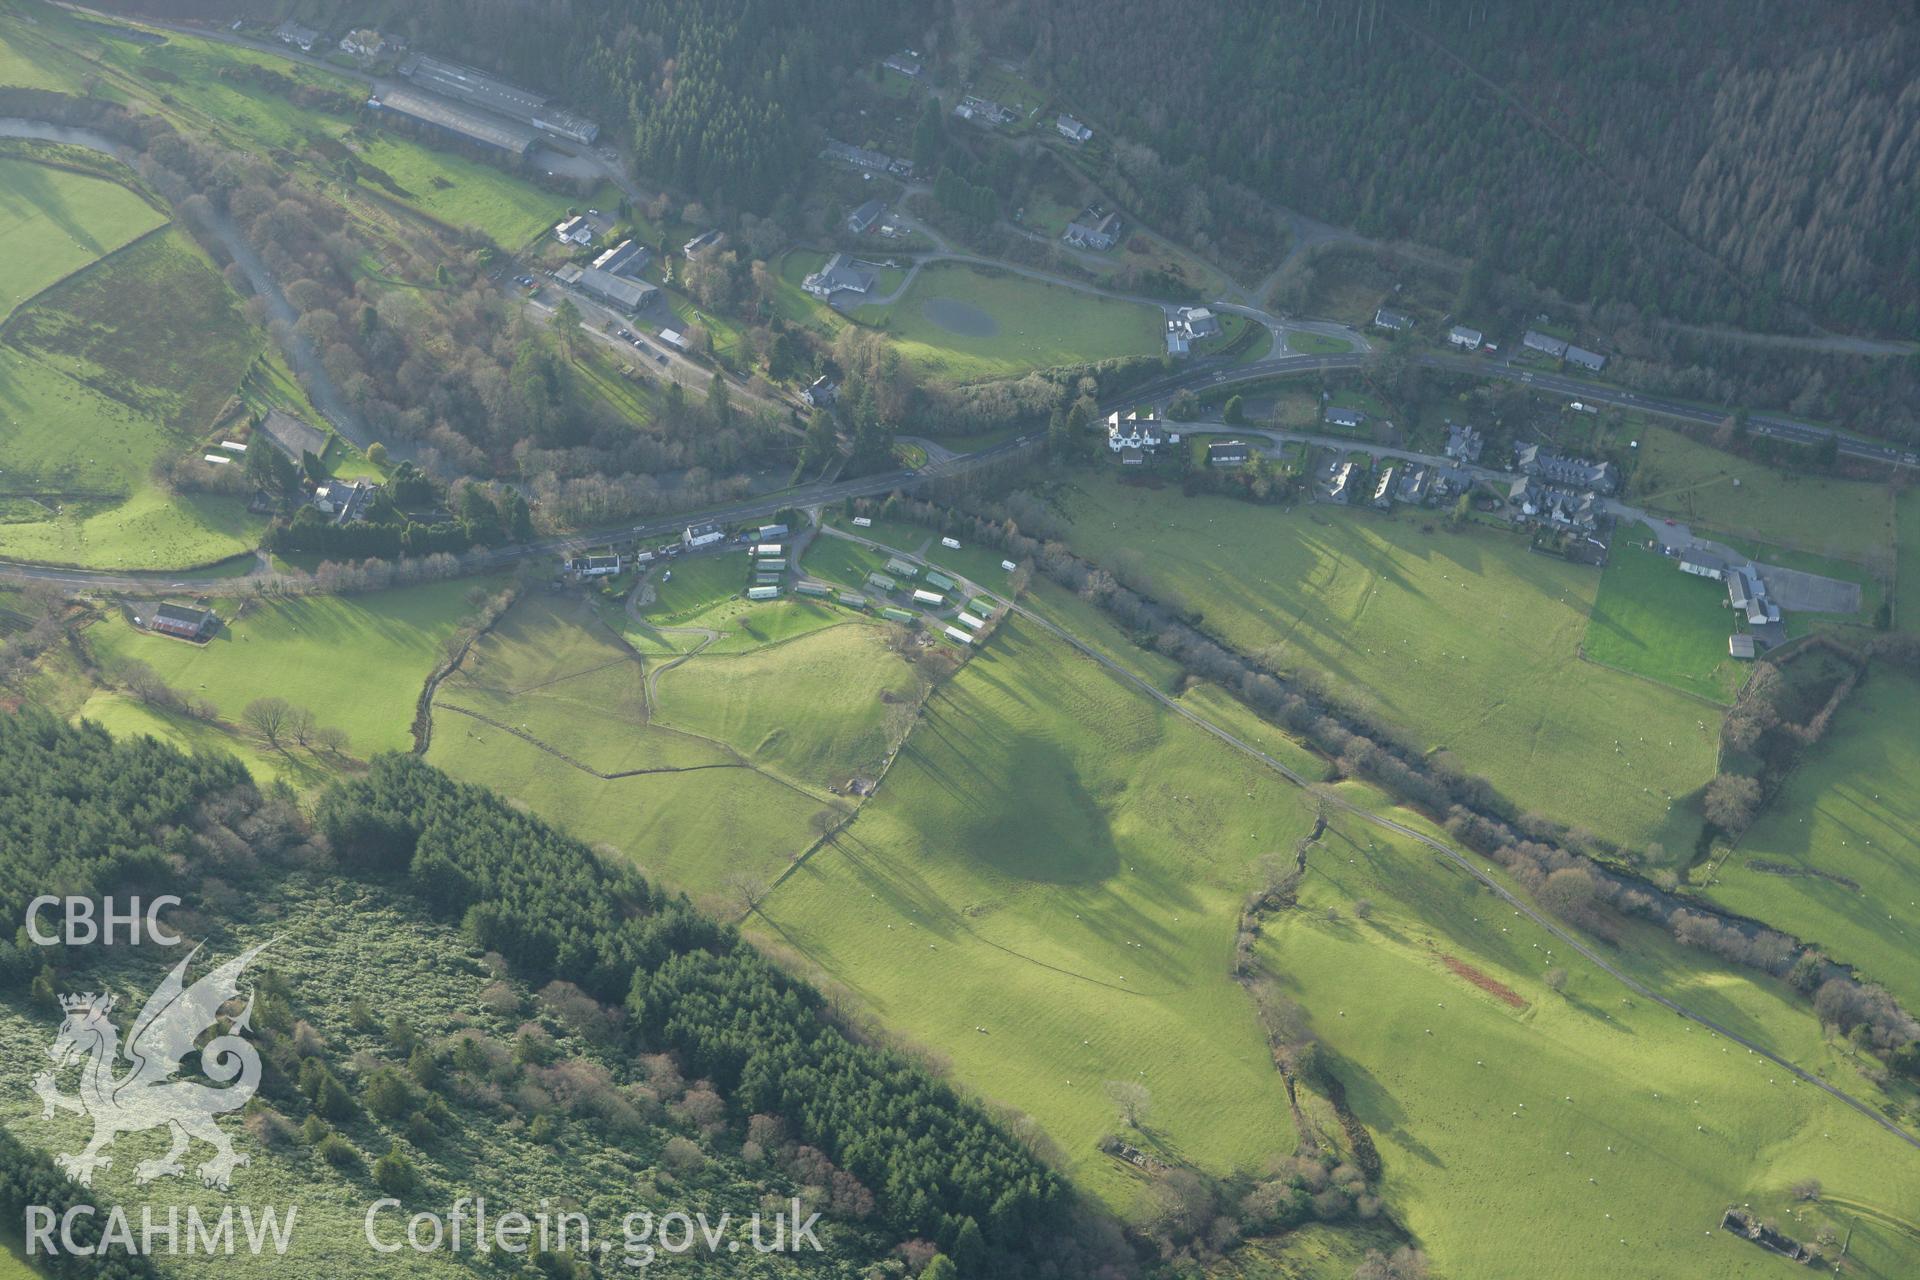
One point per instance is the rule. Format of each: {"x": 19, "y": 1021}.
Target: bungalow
{"x": 1383, "y": 487}
{"x": 1392, "y": 321}
{"x": 839, "y": 275}
{"x": 702, "y": 535}
{"x": 1592, "y": 361}
{"x": 1703, "y": 564}
{"x": 301, "y": 38}
{"x": 1341, "y": 416}
{"x": 1228, "y": 453}
{"x": 1464, "y": 443}
{"x": 673, "y": 338}
{"x": 820, "y": 392}
{"x": 183, "y": 622}
{"x": 1136, "y": 432}
{"x": 768, "y": 532}
{"x": 1093, "y": 229}
{"x": 906, "y": 63}
{"x": 1132, "y": 457}
{"x": 1461, "y": 336}
{"x": 1546, "y": 343}
{"x": 865, "y": 216}
{"x": 594, "y": 566}
{"x": 1740, "y": 645}
{"x": 700, "y": 244}
{"x": 1072, "y": 130}
{"x": 575, "y": 230}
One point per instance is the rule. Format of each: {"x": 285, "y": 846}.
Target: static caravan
{"x": 777, "y": 564}
{"x": 896, "y": 615}
{"x": 763, "y": 593}
{"x": 862, "y": 522}
{"x": 951, "y": 544}
{"x": 955, "y": 633}
{"x": 929, "y": 597}
{"x": 1008, "y": 565}
{"x": 769, "y": 549}
{"x": 901, "y": 567}
{"x": 970, "y": 622}
{"x": 814, "y": 589}
{"x": 882, "y": 581}
{"x": 939, "y": 580}
{"x": 852, "y": 599}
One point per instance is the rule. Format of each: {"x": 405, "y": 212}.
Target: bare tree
{"x": 268, "y": 718}
{"x": 745, "y": 890}
{"x": 1134, "y": 1099}
{"x": 1404, "y": 1263}
{"x": 1731, "y": 800}
{"x": 1556, "y": 979}
{"x": 301, "y": 725}
{"x": 331, "y": 740}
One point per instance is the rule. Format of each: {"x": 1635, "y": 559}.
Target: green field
{"x": 1304, "y": 342}
{"x": 1651, "y": 619}
{"x": 1847, "y": 814}
{"x": 725, "y": 778}
{"x": 53, "y": 221}
{"x": 358, "y": 662}
{"x": 97, "y": 384}
{"x": 1713, "y": 490}
{"x": 814, "y": 710}
{"x": 76, "y": 487}
{"x": 155, "y": 328}
{"x": 1464, "y": 640}
{"x": 964, "y": 324}
{"x": 466, "y": 193}
{"x": 1044, "y": 890}
{"x": 124, "y": 716}
{"x": 1603, "y": 1116}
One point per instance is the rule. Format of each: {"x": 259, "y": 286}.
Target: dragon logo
{"x": 146, "y": 1096}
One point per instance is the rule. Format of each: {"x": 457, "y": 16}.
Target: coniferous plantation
{"x": 1074, "y": 639}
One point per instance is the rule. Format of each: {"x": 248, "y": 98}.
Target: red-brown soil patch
{"x": 1492, "y": 986}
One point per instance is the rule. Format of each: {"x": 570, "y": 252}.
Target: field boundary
{"x": 1580, "y": 652}
{"x": 13, "y": 315}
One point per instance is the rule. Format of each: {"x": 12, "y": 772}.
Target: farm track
{"x": 1485, "y": 877}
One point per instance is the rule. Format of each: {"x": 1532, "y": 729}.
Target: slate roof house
{"x": 183, "y": 622}
{"x": 1228, "y": 453}
{"x": 1072, "y": 129}
{"x": 839, "y": 275}
{"x": 1136, "y": 432}
{"x": 1092, "y": 230}
{"x": 1341, "y": 416}
{"x": 1461, "y": 336}
{"x": 1464, "y": 443}
{"x": 861, "y": 219}
{"x": 1392, "y": 321}
{"x": 1558, "y": 469}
